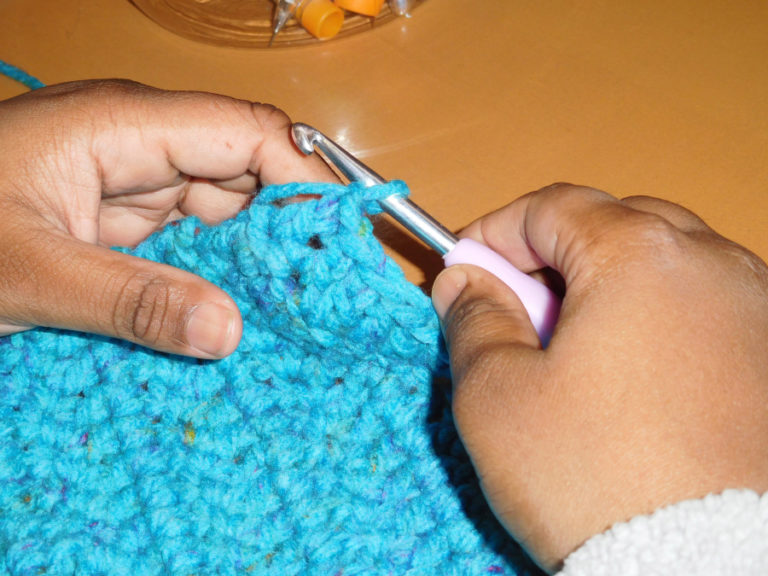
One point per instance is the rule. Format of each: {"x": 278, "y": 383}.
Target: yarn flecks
{"x": 323, "y": 445}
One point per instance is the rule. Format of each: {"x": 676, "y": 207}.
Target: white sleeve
{"x": 720, "y": 535}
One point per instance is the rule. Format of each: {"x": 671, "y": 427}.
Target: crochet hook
{"x": 542, "y": 305}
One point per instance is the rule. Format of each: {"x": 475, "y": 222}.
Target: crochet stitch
{"x": 323, "y": 445}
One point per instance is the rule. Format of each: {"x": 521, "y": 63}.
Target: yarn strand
{"x": 16, "y": 73}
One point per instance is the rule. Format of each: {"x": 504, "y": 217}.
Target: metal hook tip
{"x": 305, "y": 137}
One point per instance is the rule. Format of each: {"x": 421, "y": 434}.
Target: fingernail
{"x": 209, "y": 328}
{"x": 447, "y": 288}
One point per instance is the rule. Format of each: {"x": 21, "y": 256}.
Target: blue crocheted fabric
{"x": 323, "y": 445}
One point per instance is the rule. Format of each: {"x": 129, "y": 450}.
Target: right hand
{"x": 654, "y": 387}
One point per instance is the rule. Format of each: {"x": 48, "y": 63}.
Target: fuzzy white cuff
{"x": 720, "y": 535}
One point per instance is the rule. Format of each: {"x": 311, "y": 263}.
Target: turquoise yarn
{"x": 20, "y": 75}
{"x": 323, "y": 446}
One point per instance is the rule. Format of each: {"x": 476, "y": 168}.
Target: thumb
{"x": 479, "y": 315}
{"x": 494, "y": 352}
{"x": 491, "y": 343}
{"x": 66, "y": 283}
{"x": 489, "y": 335}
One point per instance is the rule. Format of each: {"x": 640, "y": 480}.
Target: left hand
{"x": 88, "y": 165}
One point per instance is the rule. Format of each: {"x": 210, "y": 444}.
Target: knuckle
{"x": 145, "y": 308}
{"x": 653, "y": 239}
{"x": 88, "y": 88}
{"x": 559, "y": 188}
{"x": 111, "y": 87}
{"x": 637, "y": 239}
{"x": 97, "y": 103}
{"x": 270, "y": 118}
{"x": 754, "y": 264}
{"x": 567, "y": 192}
{"x": 105, "y": 93}
{"x": 744, "y": 264}
{"x": 646, "y": 232}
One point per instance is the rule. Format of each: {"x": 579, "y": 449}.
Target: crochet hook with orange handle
{"x": 542, "y": 305}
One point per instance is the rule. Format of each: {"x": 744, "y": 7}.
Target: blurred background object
{"x": 251, "y": 23}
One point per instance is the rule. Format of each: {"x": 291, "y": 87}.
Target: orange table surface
{"x": 476, "y": 103}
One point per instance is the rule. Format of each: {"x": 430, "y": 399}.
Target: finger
{"x": 200, "y": 135}
{"x": 137, "y": 139}
{"x": 128, "y": 219}
{"x": 496, "y": 362}
{"x": 572, "y": 229}
{"x": 513, "y": 230}
{"x": 117, "y": 295}
{"x": 215, "y": 202}
{"x": 244, "y": 184}
{"x": 498, "y": 231}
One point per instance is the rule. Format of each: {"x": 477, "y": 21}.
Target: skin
{"x": 88, "y": 165}
{"x": 654, "y": 388}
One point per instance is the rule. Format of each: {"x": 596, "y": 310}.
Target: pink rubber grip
{"x": 542, "y": 305}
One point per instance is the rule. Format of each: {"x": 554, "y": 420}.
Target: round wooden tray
{"x": 244, "y": 22}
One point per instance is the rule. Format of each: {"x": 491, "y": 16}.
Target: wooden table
{"x": 475, "y": 103}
